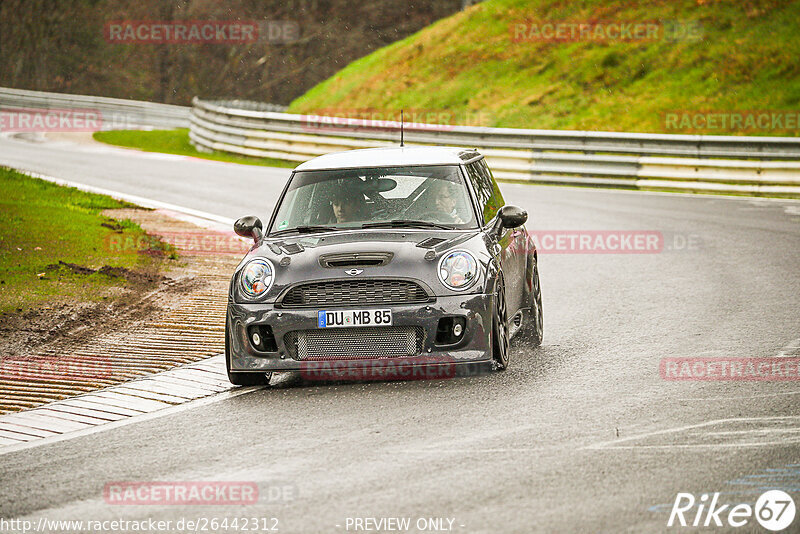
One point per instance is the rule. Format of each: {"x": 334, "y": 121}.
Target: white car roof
{"x": 391, "y": 157}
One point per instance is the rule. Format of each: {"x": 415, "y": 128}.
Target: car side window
{"x": 490, "y": 200}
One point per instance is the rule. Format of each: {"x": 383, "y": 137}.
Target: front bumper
{"x": 473, "y": 347}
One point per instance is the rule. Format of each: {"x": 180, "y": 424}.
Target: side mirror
{"x": 512, "y": 216}
{"x": 249, "y": 226}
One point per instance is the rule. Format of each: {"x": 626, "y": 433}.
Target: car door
{"x": 514, "y": 246}
{"x": 510, "y": 240}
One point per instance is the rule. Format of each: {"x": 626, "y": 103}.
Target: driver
{"x": 348, "y": 206}
{"x": 446, "y": 202}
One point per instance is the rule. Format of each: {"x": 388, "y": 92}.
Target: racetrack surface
{"x": 579, "y": 435}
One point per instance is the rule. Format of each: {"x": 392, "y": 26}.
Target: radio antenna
{"x": 401, "y": 128}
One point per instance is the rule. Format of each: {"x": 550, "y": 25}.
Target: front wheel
{"x": 242, "y": 378}
{"x": 500, "y": 334}
{"x": 532, "y": 330}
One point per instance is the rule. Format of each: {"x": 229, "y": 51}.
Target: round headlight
{"x": 257, "y": 277}
{"x": 458, "y": 270}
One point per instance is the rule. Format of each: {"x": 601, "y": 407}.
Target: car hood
{"x": 412, "y": 254}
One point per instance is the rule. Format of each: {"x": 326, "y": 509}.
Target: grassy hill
{"x": 485, "y": 66}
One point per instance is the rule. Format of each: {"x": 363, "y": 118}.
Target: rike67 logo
{"x": 774, "y": 510}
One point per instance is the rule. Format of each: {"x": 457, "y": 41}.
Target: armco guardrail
{"x": 115, "y": 113}
{"x": 723, "y": 164}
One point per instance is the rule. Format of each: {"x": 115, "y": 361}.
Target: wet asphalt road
{"x": 579, "y": 435}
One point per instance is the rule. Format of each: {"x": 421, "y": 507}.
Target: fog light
{"x": 261, "y": 338}
{"x": 450, "y": 330}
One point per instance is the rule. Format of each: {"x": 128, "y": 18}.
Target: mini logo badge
{"x": 354, "y": 272}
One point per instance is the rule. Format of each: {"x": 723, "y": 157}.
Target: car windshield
{"x": 425, "y": 196}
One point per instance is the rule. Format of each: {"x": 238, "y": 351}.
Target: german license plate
{"x": 344, "y": 318}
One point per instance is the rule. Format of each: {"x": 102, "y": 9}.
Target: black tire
{"x": 532, "y": 330}
{"x": 500, "y": 334}
{"x": 239, "y": 378}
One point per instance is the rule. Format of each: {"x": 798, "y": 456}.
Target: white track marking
{"x": 502, "y": 450}
{"x": 755, "y": 431}
{"x": 791, "y": 350}
{"x": 700, "y": 445}
{"x": 615, "y": 444}
{"x": 759, "y": 396}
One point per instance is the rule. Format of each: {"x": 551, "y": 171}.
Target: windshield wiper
{"x": 406, "y": 223}
{"x": 305, "y": 230}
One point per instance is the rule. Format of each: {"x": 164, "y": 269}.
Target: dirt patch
{"x": 155, "y": 321}
{"x": 138, "y": 278}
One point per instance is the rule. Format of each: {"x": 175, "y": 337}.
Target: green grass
{"x": 177, "y": 142}
{"x": 42, "y": 223}
{"x": 468, "y": 68}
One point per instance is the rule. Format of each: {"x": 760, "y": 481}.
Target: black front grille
{"x": 348, "y": 292}
{"x": 355, "y": 343}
